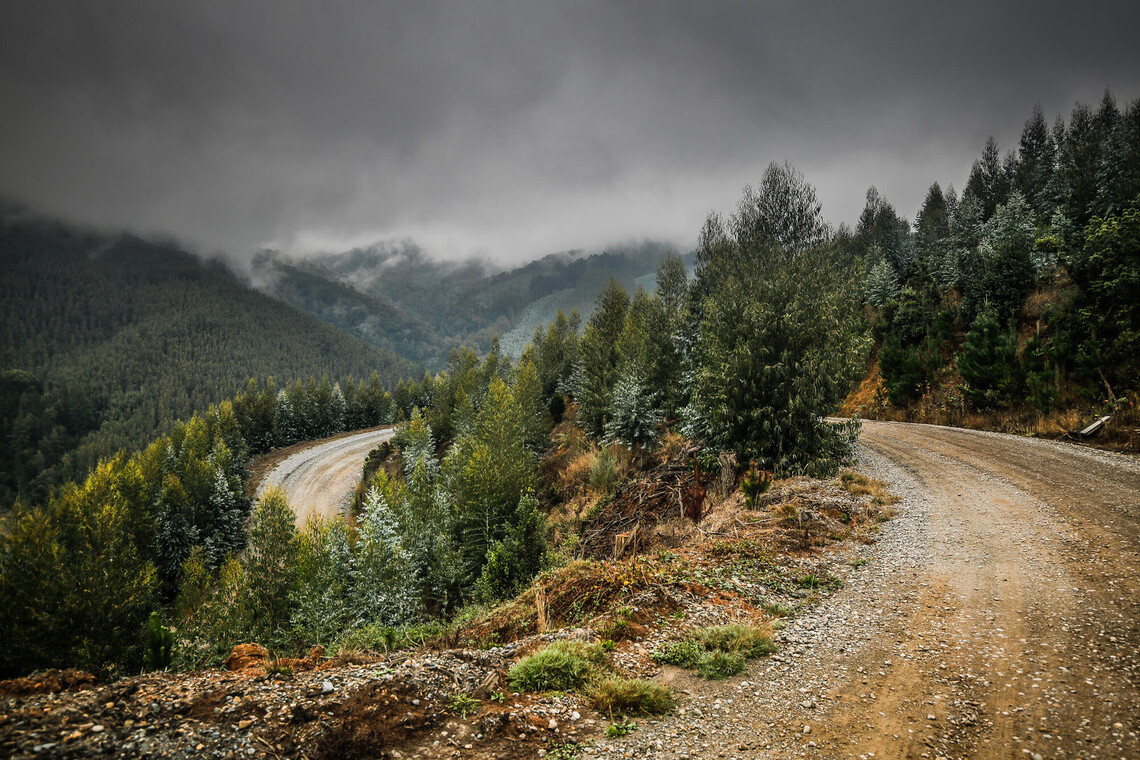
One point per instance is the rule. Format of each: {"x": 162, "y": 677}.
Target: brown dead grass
{"x": 858, "y": 484}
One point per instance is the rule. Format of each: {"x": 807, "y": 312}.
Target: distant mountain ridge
{"x": 396, "y": 297}
{"x": 105, "y": 340}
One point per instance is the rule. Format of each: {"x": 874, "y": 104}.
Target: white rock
{"x": 327, "y": 687}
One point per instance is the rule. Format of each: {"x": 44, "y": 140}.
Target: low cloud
{"x": 513, "y": 129}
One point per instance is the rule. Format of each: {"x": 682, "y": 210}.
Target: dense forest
{"x": 1019, "y": 296}
{"x": 106, "y": 341}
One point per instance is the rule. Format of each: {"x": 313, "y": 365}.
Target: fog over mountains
{"x": 507, "y": 129}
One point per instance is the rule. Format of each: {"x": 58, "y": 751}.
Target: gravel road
{"x": 319, "y": 480}
{"x": 999, "y": 617}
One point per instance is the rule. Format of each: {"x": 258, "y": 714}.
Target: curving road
{"x": 320, "y": 480}
{"x": 998, "y": 617}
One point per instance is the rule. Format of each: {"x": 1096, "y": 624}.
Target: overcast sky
{"x": 515, "y": 129}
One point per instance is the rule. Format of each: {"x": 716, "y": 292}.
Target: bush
{"x": 159, "y": 643}
{"x": 630, "y": 696}
{"x": 562, "y": 666}
{"x": 604, "y": 471}
{"x": 683, "y": 654}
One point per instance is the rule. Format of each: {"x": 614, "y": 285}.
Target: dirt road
{"x": 319, "y": 480}
{"x": 999, "y": 617}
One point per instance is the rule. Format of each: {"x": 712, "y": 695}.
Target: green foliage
{"x": 882, "y": 284}
{"x": 512, "y": 561}
{"x": 623, "y": 727}
{"x": 683, "y": 654}
{"x": 159, "y": 650}
{"x": 463, "y": 705}
{"x": 75, "y": 589}
{"x": 988, "y": 363}
{"x": 270, "y": 566}
{"x": 779, "y": 336}
{"x": 1007, "y": 252}
{"x": 1108, "y": 305}
{"x": 718, "y": 665}
{"x": 717, "y": 652}
{"x": 634, "y": 419}
{"x": 125, "y": 336}
{"x": 561, "y": 666}
{"x": 746, "y": 640}
{"x": 599, "y": 364}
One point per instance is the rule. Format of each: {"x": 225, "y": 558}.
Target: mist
{"x": 509, "y": 130}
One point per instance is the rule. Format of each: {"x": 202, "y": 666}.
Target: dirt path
{"x": 999, "y": 617}
{"x": 319, "y": 480}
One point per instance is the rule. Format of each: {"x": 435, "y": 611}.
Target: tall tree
{"x": 777, "y": 335}
{"x": 600, "y": 358}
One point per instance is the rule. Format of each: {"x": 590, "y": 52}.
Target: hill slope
{"x": 397, "y": 298}
{"x": 105, "y": 340}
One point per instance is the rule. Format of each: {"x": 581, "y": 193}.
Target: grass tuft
{"x": 718, "y": 652}
{"x": 562, "y": 666}
{"x": 631, "y": 696}
{"x": 746, "y": 640}
{"x": 719, "y": 665}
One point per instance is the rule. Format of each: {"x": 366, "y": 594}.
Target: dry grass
{"x": 631, "y": 696}
{"x": 858, "y": 484}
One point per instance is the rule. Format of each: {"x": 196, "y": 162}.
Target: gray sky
{"x": 514, "y": 129}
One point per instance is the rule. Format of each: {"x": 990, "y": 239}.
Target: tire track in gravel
{"x": 320, "y": 480}
{"x": 999, "y": 618}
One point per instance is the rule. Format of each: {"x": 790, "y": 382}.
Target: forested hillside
{"x": 397, "y": 298}
{"x": 1014, "y": 304}
{"x": 745, "y": 360}
{"x": 105, "y": 341}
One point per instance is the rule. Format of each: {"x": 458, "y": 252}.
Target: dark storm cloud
{"x": 515, "y": 128}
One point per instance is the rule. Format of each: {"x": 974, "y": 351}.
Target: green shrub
{"x": 631, "y": 696}
{"x": 620, "y": 728}
{"x": 463, "y": 705}
{"x": 562, "y": 666}
{"x": 717, "y": 652}
{"x": 159, "y": 643}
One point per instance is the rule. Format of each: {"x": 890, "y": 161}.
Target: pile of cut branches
{"x": 625, "y": 524}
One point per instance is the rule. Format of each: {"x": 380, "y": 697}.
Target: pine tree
{"x": 228, "y": 537}
{"x": 418, "y": 445}
{"x": 322, "y": 609}
{"x": 285, "y": 429}
{"x": 1036, "y": 154}
{"x": 882, "y": 284}
{"x": 380, "y": 588}
{"x": 634, "y": 420}
{"x": 270, "y": 565}
{"x": 987, "y": 362}
{"x": 600, "y": 357}
{"x": 777, "y": 336}
{"x": 1008, "y": 257}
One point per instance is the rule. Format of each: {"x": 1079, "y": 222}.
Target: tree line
{"x": 1021, "y": 290}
